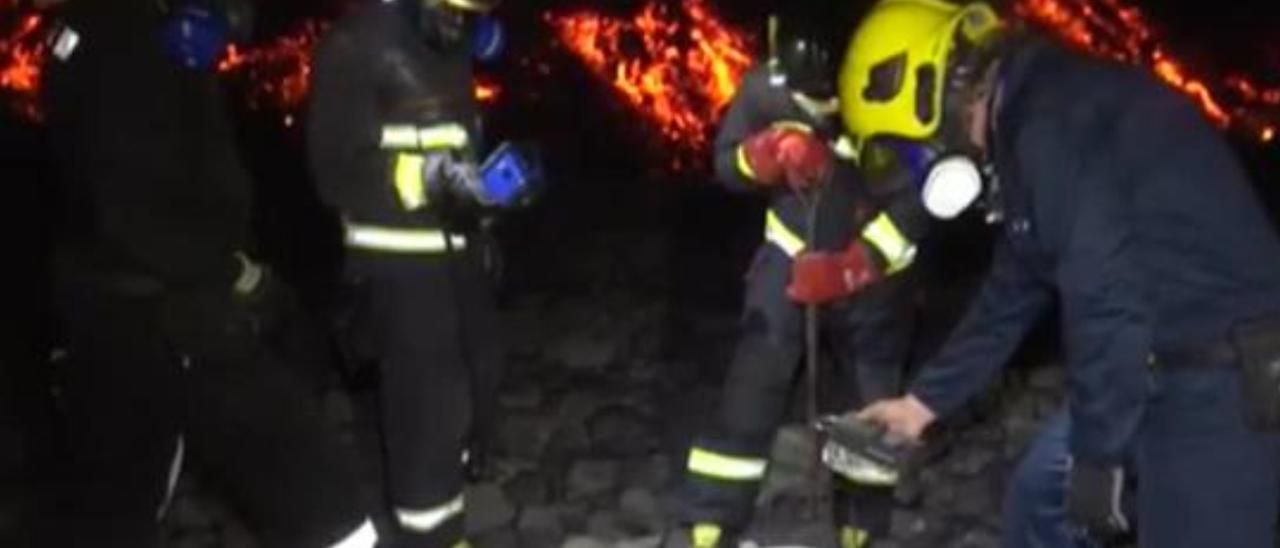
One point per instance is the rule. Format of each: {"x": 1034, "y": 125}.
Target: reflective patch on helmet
{"x": 886, "y": 79}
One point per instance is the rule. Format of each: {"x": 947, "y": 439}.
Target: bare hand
{"x": 906, "y": 416}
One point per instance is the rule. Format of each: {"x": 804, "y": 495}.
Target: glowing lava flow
{"x": 1110, "y": 29}
{"x": 22, "y": 55}
{"x": 278, "y": 72}
{"x": 679, "y": 70}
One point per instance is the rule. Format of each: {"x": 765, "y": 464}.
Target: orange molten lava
{"x": 679, "y": 70}
{"x": 487, "y": 91}
{"x": 1111, "y": 29}
{"x": 22, "y": 55}
{"x": 278, "y": 72}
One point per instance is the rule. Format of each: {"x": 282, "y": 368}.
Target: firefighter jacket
{"x": 154, "y": 182}
{"x": 1124, "y": 205}
{"x": 890, "y": 220}
{"x": 383, "y": 98}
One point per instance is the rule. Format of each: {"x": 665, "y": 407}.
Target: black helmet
{"x": 444, "y": 23}
{"x": 806, "y": 42}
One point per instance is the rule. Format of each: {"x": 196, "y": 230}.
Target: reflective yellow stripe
{"x": 897, "y": 250}
{"x": 451, "y": 136}
{"x": 779, "y": 234}
{"x": 444, "y": 136}
{"x": 706, "y": 535}
{"x": 792, "y": 125}
{"x": 845, "y": 148}
{"x": 409, "y": 183}
{"x": 725, "y": 467}
{"x": 744, "y": 167}
{"x": 423, "y": 521}
{"x": 853, "y": 537}
{"x": 401, "y": 240}
{"x": 399, "y": 137}
{"x": 815, "y": 107}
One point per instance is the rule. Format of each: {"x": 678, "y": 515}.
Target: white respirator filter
{"x": 953, "y": 184}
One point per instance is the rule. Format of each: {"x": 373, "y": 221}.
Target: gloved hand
{"x": 1094, "y": 500}
{"x": 807, "y": 159}
{"x": 784, "y": 154}
{"x": 445, "y": 173}
{"x": 263, "y": 300}
{"x": 819, "y": 277}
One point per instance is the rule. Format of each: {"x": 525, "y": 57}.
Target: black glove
{"x": 445, "y": 173}
{"x": 264, "y": 300}
{"x": 1094, "y": 500}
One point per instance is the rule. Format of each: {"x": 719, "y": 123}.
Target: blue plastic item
{"x": 508, "y": 175}
{"x": 195, "y": 36}
{"x": 489, "y": 39}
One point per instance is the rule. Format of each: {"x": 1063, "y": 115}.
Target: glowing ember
{"x": 679, "y": 70}
{"x": 487, "y": 91}
{"x": 22, "y": 56}
{"x": 278, "y": 72}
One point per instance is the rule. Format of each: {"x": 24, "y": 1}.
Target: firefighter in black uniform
{"x": 162, "y": 306}
{"x": 780, "y": 137}
{"x": 1123, "y": 205}
{"x": 393, "y": 136}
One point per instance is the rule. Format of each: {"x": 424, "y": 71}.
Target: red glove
{"x": 820, "y": 277}
{"x": 807, "y": 159}
{"x": 787, "y": 154}
{"x": 761, "y": 152}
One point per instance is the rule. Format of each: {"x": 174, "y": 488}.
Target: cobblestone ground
{"x": 598, "y": 405}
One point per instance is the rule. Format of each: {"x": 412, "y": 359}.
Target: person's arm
{"x": 1106, "y": 315}
{"x": 1008, "y": 305}
{"x": 342, "y": 129}
{"x": 740, "y": 122}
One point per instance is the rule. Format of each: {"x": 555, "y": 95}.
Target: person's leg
{"x": 485, "y": 357}
{"x": 425, "y": 398}
{"x": 870, "y": 335}
{"x": 121, "y": 389}
{"x": 1035, "y": 504}
{"x": 257, "y": 427}
{"x": 1206, "y": 479}
{"x": 726, "y": 465}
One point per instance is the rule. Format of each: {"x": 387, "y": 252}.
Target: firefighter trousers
{"x": 430, "y": 323}
{"x": 154, "y": 383}
{"x": 868, "y": 337}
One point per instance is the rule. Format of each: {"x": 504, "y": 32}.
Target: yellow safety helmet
{"x": 894, "y": 72}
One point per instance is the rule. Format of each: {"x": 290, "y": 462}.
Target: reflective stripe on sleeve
{"x": 794, "y": 126}
{"x": 897, "y": 250}
{"x": 845, "y": 149}
{"x": 443, "y": 136}
{"x": 402, "y": 240}
{"x": 744, "y": 166}
{"x": 726, "y": 467}
{"x": 451, "y": 136}
{"x": 779, "y": 234}
{"x": 427, "y": 520}
{"x": 399, "y": 137}
{"x": 409, "y": 183}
